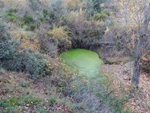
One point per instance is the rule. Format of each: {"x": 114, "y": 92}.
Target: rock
{"x": 126, "y": 78}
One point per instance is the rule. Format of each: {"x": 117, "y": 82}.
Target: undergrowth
{"x": 41, "y": 31}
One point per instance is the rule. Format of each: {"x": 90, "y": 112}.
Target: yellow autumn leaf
{"x": 80, "y": 11}
{"x": 107, "y": 29}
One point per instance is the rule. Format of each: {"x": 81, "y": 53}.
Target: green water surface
{"x": 87, "y": 62}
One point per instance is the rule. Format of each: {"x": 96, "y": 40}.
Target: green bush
{"x": 13, "y": 57}
{"x": 32, "y": 26}
{"x": 25, "y": 84}
{"x": 11, "y": 18}
{"x": 103, "y": 15}
{"x": 41, "y": 19}
{"x": 22, "y": 22}
{"x": 84, "y": 34}
{"x": 45, "y": 12}
{"x": 12, "y": 10}
{"x": 10, "y": 14}
{"x": 28, "y": 18}
{"x": 100, "y": 16}
{"x": 49, "y": 12}
{"x": 52, "y": 100}
{"x": 107, "y": 13}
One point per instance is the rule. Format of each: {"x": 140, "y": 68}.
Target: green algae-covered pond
{"x": 87, "y": 62}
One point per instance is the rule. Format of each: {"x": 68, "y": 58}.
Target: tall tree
{"x": 133, "y": 31}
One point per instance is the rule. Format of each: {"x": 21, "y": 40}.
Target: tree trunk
{"x": 137, "y": 65}
{"x": 137, "y": 68}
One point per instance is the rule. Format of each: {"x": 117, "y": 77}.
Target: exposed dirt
{"x": 18, "y": 84}
{"x": 141, "y": 102}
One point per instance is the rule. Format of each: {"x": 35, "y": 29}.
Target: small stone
{"x": 126, "y": 78}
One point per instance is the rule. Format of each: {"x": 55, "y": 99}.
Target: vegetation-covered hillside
{"x": 35, "y": 78}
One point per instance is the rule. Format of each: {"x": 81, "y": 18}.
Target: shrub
{"x": 52, "y": 100}
{"x": 34, "y": 4}
{"x": 12, "y": 10}
{"x": 73, "y": 4}
{"x": 89, "y": 6}
{"x": 60, "y": 34}
{"x": 96, "y": 5}
{"x": 103, "y": 15}
{"x": 100, "y": 16}
{"x": 41, "y": 19}
{"x": 13, "y": 57}
{"x": 48, "y": 12}
{"x": 107, "y": 13}
{"x": 58, "y": 7}
{"x": 22, "y": 22}
{"x": 52, "y": 40}
{"x": 51, "y": 14}
{"x": 11, "y": 18}
{"x": 45, "y": 12}
{"x": 10, "y": 14}
{"x": 28, "y": 18}
{"x": 84, "y": 34}
{"x": 32, "y": 26}
{"x": 25, "y": 84}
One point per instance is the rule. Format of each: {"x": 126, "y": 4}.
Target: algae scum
{"x": 85, "y": 61}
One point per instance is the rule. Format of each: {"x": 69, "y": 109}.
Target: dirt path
{"x": 124, "y": 72}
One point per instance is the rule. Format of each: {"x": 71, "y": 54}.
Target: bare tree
{"x": 133, "y": 31}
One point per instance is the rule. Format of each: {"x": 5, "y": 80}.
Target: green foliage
{"x": 93, "y": 6}
{"x": 100, "y": 16}
{"x": 13, "y": 57}
{"x": 107, "y": 13}
{"x": 13, "y": 103}
{"x": 79, "y": 107}
{"x": 28, "y": 18}
{"x": 34, "y": 4}
{"x": 119, "y": 103}
{"x": 32, "y": 26}
{"x": 11, "y": 18}
{"x": 58, "y": 7}
{"x": 89, "y": 6}
{"x": 22, "y": 22}
{"x": 12, "y": 10}
{"x": 52, "y": 100}
{"x": 96, "y": 5}
{"x": 10, "y": 14}
{"x": 41, "y": 19}
{"x": 25, "y": 84}
{"x": 51, "y": 14}
{"x": 112, "y": 24}
{"x": 45, "y": 12}
{"x": 48, "y": 12}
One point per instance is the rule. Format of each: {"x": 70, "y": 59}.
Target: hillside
{"x": 81, "y": 56}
